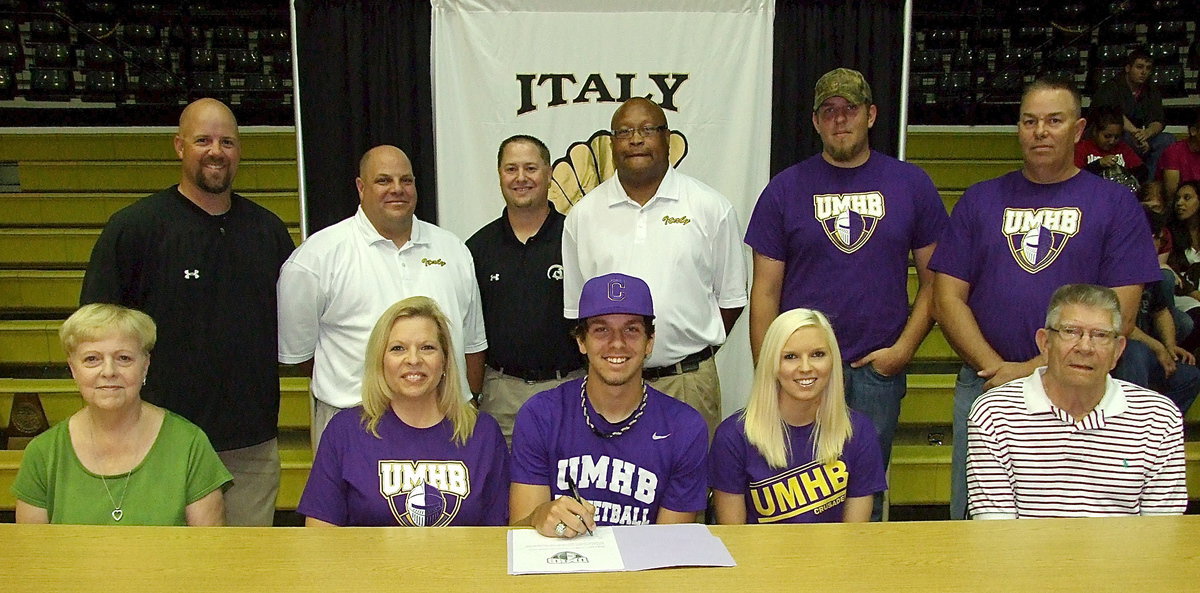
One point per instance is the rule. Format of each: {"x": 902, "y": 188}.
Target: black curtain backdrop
{"x": 813, "y": 37}
{"x": 364, "y": 81}
{"x": 364, "y": 68}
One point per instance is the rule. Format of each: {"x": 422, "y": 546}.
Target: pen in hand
{"x": 575, "y": 495}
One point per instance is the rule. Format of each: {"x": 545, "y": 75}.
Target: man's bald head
{"x": 639, "y": 102}
{"x": 205, "y": 108}
{"x": 209, "y": 150}
{"x": 381, "y": 151}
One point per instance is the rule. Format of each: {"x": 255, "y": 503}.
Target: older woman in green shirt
{"x": 119, "y": 460}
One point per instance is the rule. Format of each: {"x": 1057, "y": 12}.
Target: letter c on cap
{"x": 616, "y": 290}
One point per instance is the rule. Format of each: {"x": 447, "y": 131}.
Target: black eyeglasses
{"x": 645, "y": 131}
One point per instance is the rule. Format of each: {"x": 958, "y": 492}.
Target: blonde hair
{"x": 765, "y": 428}
{"x": 377, "y": 396}
{"x": 98, "y": 320}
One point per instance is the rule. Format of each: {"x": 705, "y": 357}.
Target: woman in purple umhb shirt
{"x": 797, "y": 453}
{"x": 414, "y": 454}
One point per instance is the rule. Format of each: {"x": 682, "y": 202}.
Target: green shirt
{"x": 180, "y": 468}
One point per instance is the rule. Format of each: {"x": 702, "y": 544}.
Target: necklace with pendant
{"x": 118, "y": 506}
{"x": 628, "y": 423}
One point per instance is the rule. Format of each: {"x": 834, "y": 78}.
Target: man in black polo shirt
{"x": 202, "y": 261}
{"x": 518, "y": 264}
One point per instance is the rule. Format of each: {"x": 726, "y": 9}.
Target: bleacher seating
{"x": 51, "y": 52}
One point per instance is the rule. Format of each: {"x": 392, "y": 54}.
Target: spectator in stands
{"x": 1141, "y": 103}
{"x": 119, "y": 460}
{"x": 835, "y": 232}
{"x": 202, "y": 262}
{"x": 1069, "y": 440}
{"x": 1153, "y": 359}
{"x": 1104, "y": 153}
{"x": 1181, "y": 161}
{"x": 1184, "y": 256}
{"x": 796, "y": 435}
{"x": 414, "y": 454}
{"x": 1014, "y": 240}
{"x": 342, "y": 278}
{"x": 634, "y": 454}
{"x": 1151, "y": 197}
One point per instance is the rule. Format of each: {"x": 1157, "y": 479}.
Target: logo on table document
{"x": 849, "y": 219}
{"x": 811, "y": 488}
{"x": 1036, "y": 236}
{"x": 567, "y": 557}
{"x": 424, "y": 493}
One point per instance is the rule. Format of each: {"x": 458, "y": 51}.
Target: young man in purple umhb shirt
{"x": 1014, "y": 240}
{"x": 635, "y": 455}
{"x": 834, "y": 233}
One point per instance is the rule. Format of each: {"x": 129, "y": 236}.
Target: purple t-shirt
{"x": 657, "y": 463}
{"x": 1016, "y": 242}
{"x": 844, "y": 236}
{"x": 410, "y": 477}
{"x": 805, "y": 491}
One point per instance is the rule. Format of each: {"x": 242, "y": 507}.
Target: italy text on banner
{"x": 557, "y": 69}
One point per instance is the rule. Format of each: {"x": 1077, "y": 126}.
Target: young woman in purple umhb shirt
{"x": 797, "y": 453}
{"x": 414, "y": 454}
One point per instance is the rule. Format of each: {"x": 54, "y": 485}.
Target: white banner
{"x": 558, "y": 69}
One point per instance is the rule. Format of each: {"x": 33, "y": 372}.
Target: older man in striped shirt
{"x": 1069, "y": 440}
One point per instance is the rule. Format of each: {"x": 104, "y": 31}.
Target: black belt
{"x": 689, "y": 363}
{"x": 532, "y": 375}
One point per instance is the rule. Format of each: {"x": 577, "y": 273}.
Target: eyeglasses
{"x": 1071, "y": 335}
{"x": 645, "y": 131}
{"x": 829, "y": 112}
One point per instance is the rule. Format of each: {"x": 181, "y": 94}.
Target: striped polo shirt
{"x": 1028, "y": 458}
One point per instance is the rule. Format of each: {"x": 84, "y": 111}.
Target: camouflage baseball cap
{"x": 842, "y": 82}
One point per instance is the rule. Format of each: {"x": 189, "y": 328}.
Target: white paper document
{"x": 614, "y": 549}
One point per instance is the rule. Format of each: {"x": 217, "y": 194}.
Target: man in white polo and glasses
{"x": 1069, "y": 440}
{"x": 679, "y": 235}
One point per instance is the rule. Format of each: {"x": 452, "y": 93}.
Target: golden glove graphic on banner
{"x": 588, "y": 164}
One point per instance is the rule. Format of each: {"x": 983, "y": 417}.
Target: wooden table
{"x": 1086, "y": 555}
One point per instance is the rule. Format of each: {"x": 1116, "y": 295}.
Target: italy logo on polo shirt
{"x": 1037, "y": 237}
{"x": 850, "y": 219}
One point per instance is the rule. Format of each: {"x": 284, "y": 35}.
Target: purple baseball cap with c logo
{"x": 615, "y": 294}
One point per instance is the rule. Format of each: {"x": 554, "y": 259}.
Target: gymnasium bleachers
{"x": 138, "y": 62}
{"x": 971, "y": 59}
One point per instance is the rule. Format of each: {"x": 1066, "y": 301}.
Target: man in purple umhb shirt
{"x": 1015, "y": 239}
{"x": 635, "y": 455}
{"x": 834, "y": 233}
{"x": 406, "y": 476}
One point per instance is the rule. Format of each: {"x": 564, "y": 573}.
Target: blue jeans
{"x": 1139, "y": 366}
{"x": 1158, "y": 145}
{"x": 879, "y": 398}
{"x": 967, "y": 388}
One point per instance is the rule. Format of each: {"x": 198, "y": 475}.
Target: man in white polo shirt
{"x": 676, "y": 233}
{"x": 1069, "y": 440}
{"x": 335, "y": 286}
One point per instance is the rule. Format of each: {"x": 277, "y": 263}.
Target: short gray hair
{"x": 1086, "y": 295}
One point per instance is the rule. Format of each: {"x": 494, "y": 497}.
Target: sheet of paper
{"x": 622, "y": 548}
{"x": 644, "y": 547}
{"x": 531, "y": 553}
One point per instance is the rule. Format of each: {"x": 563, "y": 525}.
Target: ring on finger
{"x": 560, "y": 529}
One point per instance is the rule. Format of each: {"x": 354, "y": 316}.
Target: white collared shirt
{"x": 685, "y": 243}
{"x": 335, "y": 286}
{"x": 1029, "y": 458}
